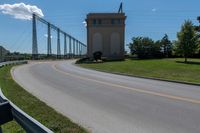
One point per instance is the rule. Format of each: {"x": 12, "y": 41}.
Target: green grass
{"x": 170, "y": 69}
{"x": 34, "y": 107}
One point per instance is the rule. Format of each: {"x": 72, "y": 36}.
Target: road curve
{"x": 109, "y": 103}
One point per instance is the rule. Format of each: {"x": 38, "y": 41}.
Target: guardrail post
{"x": 5, "y": 112}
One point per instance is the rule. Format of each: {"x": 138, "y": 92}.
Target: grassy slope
{"x": 34, "y": 107}
{"x": 157, "y": 68}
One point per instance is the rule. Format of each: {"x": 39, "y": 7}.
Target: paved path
{"x": 108, "y": 103}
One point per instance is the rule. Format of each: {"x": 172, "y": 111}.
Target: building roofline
{"x": 106, "y": 15}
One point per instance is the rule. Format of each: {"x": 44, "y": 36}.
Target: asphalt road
{"x": 109, "y": 103}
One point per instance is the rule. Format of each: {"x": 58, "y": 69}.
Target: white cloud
{"x": 21, "y": 10}
{"x": 154, "y": 10}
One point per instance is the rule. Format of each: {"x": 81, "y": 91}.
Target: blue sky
{"x": 144, "y": 18}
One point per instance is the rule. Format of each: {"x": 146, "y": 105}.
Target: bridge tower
{"x": 49, "y": 40}
{"x": 34, "y": 38}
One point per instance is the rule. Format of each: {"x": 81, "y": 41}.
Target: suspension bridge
{"x": 72, "y": 47}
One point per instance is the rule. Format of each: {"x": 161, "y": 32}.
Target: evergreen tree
{"x": 166, "y": 46}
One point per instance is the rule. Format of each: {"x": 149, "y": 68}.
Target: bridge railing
{"x": 12, "y": 62}
{"x": 9, "y": 112}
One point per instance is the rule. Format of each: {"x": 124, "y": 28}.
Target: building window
{"x": 113, "y": 21}
{"x": 99, "y": 21}
{"x": 116, "y": 21}
{"x": 94, "y": 21}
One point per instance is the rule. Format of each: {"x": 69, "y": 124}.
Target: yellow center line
{"x": 195, "y": 101}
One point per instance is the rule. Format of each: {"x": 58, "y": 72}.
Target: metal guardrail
{"x": 12, "y": 62}
{"x": 29, "y": 124}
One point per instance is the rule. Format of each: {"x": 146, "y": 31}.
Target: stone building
{"x": 105, "y": 33}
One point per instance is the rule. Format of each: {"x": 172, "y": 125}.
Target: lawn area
{"x": 34, "y": 107}
{"x": 171, "y": 69}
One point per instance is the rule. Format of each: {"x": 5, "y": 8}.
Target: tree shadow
{"x": 189, "y": 62}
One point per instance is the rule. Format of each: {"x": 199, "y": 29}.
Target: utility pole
{"x": 34, "y": 38}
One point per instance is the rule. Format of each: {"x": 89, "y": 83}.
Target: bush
{"x": 97, "y": 55}
{"x": 83, "y": 60}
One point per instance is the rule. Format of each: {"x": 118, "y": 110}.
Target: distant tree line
{"x": 3, "y": 53}
{"x": 186, "y": 45}
{"x": 145, "y": 47}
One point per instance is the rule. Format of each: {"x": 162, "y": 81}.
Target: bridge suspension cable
{"x": 76, "y": 47}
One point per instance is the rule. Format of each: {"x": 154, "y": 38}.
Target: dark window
{"x": 94, "y": 21}
{"x": 99, "y": 21}
{"x": 118, "y": 21}
{"x": 113, "y": 21}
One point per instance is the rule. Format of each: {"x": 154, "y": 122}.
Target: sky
{"x": 144, "y": 18}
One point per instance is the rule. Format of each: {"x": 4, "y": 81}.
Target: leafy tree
{"x": 145, "y": 47}
{"x": 166, "y": 46}
{"x": 156, "y": 51}
{"x": 198, "y": 29}
{"x": 187, "y": 40}
{"x": 175, "y": 50}
{"x": 198, "y": 18}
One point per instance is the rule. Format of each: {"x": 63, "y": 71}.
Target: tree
{"x": 145, "y": 47}
{"x": 198, "y": 30}
{"x": 198, "y": 18}
{"x": 166, "y": 46}
{"x": 3, "y": 53}
{"x": 187, "y": 40}
{"x": 157, "y": 49}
